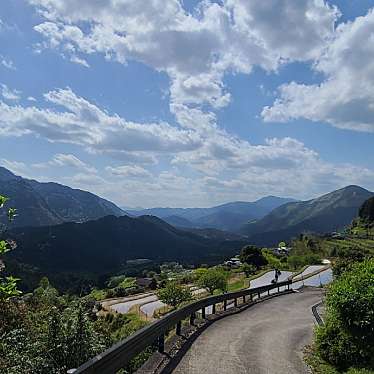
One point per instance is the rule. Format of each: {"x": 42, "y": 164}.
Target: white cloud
{"x": 195, "y": 50}
{"x": 345, "y": 98}
{"x": 7, "y": 63}
{"x": 214, "y": 165}
{"x": 9, "y": 94}
{"x": 79, "y": 61}
{"x": 17, "y": 167}
{"x": 69, "y": 160}
{"x": 128, "y": 171}
{"x": 83, "y": 123}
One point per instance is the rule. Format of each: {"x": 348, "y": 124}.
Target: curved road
{"x": 267, "y": 338}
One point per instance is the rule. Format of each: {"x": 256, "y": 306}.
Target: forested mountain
{"x": 327, "y": 213}
{"x": 95, "y": 248}
{"x": 41, "y": 204}
{"x": 367, "y": 210}
{"x": 230, "y": 216}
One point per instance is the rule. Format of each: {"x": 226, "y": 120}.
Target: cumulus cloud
{"x": 85, "y": 124}
{"x": 7, "y": 63}
{"x": 194, "y": 49}
{"x": 345, "y": 98}
{"x": 9, "y": 94}
{"x": 67, "y": 160}
{"x": 128, "y": 171}
{"x": 208, "y": 161}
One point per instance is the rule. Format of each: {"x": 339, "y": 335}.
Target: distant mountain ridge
{"x": 228, "y": 217}
{"x": 327, "y": 213}
{"x": 97, "y": 248}
{"x": 40, "y": 204}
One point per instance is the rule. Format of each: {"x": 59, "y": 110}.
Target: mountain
{"x": 178, "y": 221}
{"x": 327, "y": 213}
{"x": 366, "y": 212}
{"x": 40, "y": 204}
{"x": 95, "y": 248}
{"x": 228, "y": 217}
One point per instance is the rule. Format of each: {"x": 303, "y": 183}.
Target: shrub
{"x": 214, "y": 279}
{"x": 348, "y": 335}
{"x": 174, "y": 294}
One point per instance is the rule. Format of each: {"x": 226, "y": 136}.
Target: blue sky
{"x": 193, "y": 103}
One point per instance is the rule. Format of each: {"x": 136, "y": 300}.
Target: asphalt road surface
{"x": 267, "y": 338}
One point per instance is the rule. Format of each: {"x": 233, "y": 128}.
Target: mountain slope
{"x": 230, "y": 216}
{"x": 103, "y": 246}
{"x": 327, "y": 213}
{"x": 41, "y": 204}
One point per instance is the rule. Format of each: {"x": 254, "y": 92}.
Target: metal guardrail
{"x": 119, "y": 355}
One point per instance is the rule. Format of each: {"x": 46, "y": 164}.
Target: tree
{"x": 366, "y": 212}
{"x": 8, "y": 285}
{"x": 249, "y": 269}
{"x": 295, "y": 261}
{"x": 251, "y": 254}
{"x": 174, "y": 294}
{"x": 347, "y": 337}
{"x": 213, "y": 279}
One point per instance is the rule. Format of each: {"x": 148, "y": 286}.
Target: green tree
{"x": 174, "y": 294}
{"x": 347, "y": 337}
{"x": 295, "y": 261}
{"x": 213, "y": 279}
{"x": 248, "y": 269}
{"x": 8, "y": 285}
{"x": 251, "y": 254}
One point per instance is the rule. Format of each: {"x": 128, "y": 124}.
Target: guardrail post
{"x": 203, "y": 313}
{"x": 236, "y": 302}
{"x": 251, "y": 297}
{"x": 178, "y": 328}
{"x": 288, "y": 286}
{"x": 268, "y": 291}
{"x": 259, "y": 295}
{"x": 214, "y": 309}
{"x": 224, "y": 304}
{"x": 244, "y": 299}
{"x": 192, "y": 319}
{"x": 161, "y": 343}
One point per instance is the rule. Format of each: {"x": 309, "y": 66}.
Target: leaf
{"x": 12, "y": 213}
{"x": 3, "y": 200}
{"x": 4, "y": 248}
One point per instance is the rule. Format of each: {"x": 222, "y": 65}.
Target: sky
{"x": 188, "y": 103}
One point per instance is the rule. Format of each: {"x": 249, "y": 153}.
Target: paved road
{"x": 267, "y": 338}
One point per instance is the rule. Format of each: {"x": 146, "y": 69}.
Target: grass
{"x": 237, "y": 284}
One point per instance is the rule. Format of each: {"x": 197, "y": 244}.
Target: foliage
{"x": 366, "y": 211}
{"x": 296, "y": 261}
{"x": 249, "y": 269}
{"x": 8, "y": 285}
{"x": 251, "y": 254}
{"x": 214, "y": 279}
{"x": 174, "y": 294}
{"x": 273, "y": 261}
{"x": 347, "y": 258}
{"x": 346, "y": 338}
{"x": 47, "y": 333}
{"x": 198, "y": 273}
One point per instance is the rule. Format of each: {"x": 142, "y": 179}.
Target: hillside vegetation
{"x": 325, "y": 214}
{"x": 73, "y": 255}
{"x": 41, "y": 204}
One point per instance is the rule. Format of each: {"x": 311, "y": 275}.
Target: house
{"x": 234, "y": 262}
{"x": 281, "y": 250}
